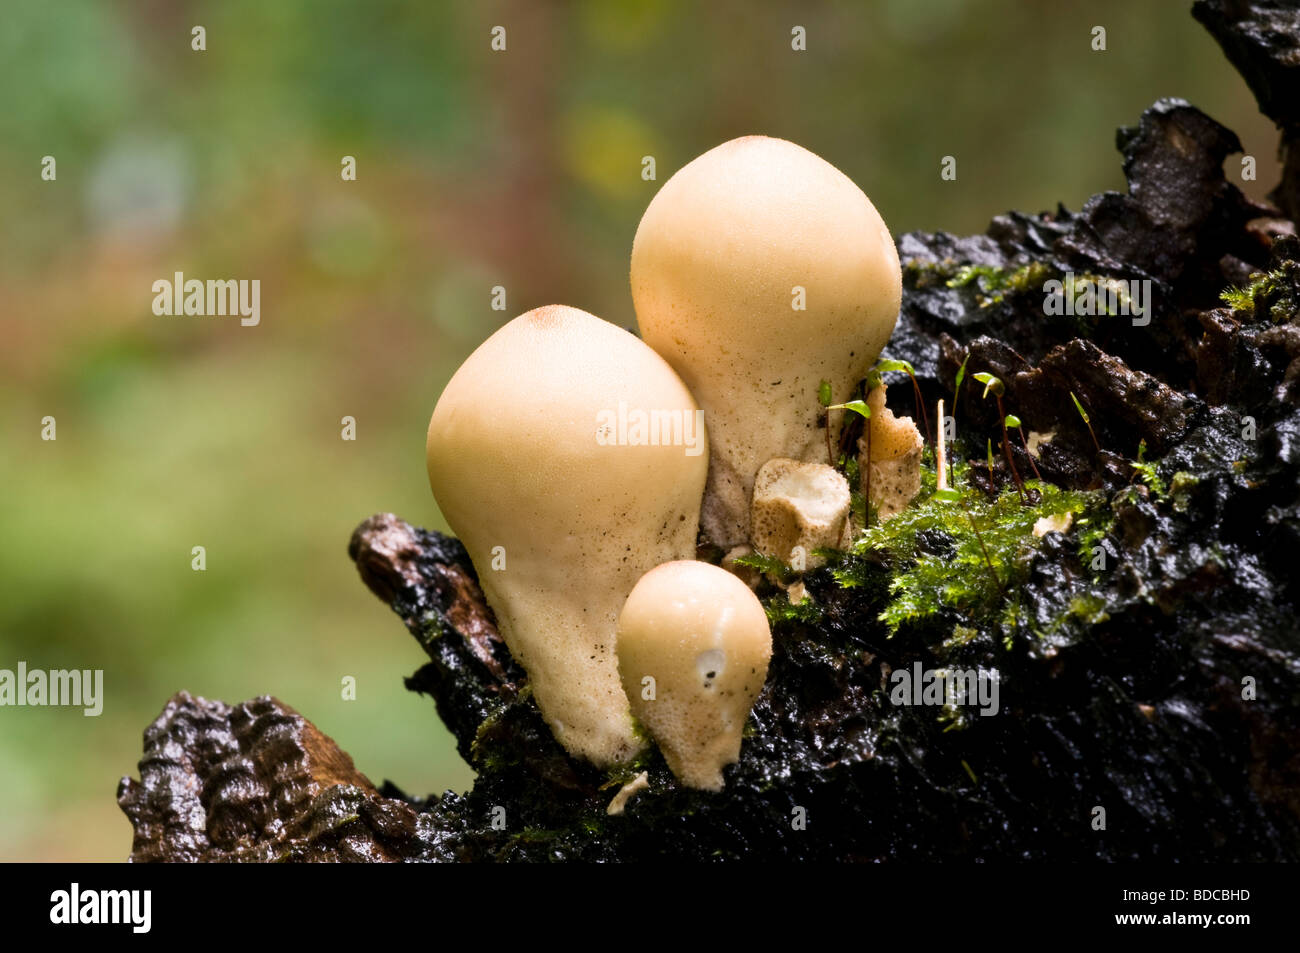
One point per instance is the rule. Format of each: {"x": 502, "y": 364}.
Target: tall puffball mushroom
{"x": 693, "y": 648}
{"x": 758, "y": 271}
{"x": 570, "y": 459}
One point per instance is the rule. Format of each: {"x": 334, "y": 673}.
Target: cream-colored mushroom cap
{"x": 540, "y": 458}
{"x": 728, "y": 249}
{"x": 693, "y": 648}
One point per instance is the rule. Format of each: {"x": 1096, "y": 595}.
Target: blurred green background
{"x": 475, "y": 169}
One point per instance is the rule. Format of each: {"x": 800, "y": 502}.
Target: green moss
{"x": 927, "y": 274}
{"x": 1092, "y": 530}
{"x": 1241, "y": 299}
{"x": 620, "y": 774}
{"x": 992, "y": 284}
{"x": 952, "y": 718}
{"x": 768, "y": 566}
{"x": 1104, "y": 288}
{"x": 534, "y": 835}
{"x": 781, "y": 610}
{"x": 996, "y": 283}
{"x": 433, "y": 629}
{"x": 1274, "y": 295}
{"x": 1180, "y": 489}
{"x": 1088, "y": 608}
{"x": 1083, "y": 609}
{"x": 482, "y": 757}
{"x": 964, "y": 554}
{"x": 961, "y": 636}
{"x": 857, "y": 502}
{"x": 1146, "y": 470}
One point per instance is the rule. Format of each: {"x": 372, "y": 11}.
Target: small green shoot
{"x": 995, "y": 386}
{"x": 1012, "y": 421}
{"x": 1147, "y": 471}
{"x": 956, "y": 388}
{"x": 857, "y": 406}
{"x": 1084, "y": 414}
{"x": 991, "y": 383}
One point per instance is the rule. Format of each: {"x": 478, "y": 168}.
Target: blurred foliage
{"x": 475, "y": 168}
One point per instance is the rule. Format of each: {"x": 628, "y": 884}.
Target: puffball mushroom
{"x": 570, "y": 459}
{"x": 693, "y": 647}
{"x": 758, "y": 271}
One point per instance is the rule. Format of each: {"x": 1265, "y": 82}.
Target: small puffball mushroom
{"x": 541, "y": 461}
{"x": 798, "y": 508}
{"x": 693, "y": 647}
{"x": 895, "y": 462}
{"x": 758, "y": 271}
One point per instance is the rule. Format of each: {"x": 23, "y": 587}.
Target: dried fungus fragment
{"x": 890, "y": 460}
{"x": 799, "y": 508}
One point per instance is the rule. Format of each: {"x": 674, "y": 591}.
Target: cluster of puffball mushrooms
{"x": 759, "y": 271}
